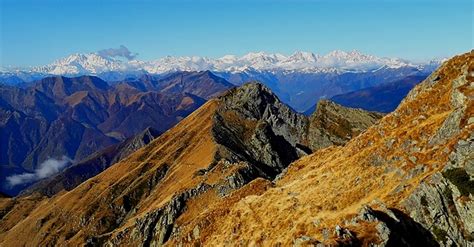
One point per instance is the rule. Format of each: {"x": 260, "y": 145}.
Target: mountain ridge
{"x": 74, "y": 117}
{"x": 245, "y": 134}
{"x": 90, "y": 166}
{"x": 398, "y": 183}
{"x": 384, "y": 97}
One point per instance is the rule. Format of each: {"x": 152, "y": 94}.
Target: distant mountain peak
{"x": 302, "y": 56}
{"x": 76, "y": 64}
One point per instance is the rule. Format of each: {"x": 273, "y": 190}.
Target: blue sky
{"x": 38, "y": 32}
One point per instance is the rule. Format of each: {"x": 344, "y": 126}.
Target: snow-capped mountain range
{"x": 299, "y": 79}
{"x": 93, "y": 63}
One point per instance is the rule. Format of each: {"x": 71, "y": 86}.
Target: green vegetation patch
{"x": 423, "y": 201}
{"x": 440, "y": 234}
{"x": 461, "y": 180}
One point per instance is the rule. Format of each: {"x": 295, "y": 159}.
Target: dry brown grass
{"x": 207, "y": 210}
{"x": 186, "y": 148}
{"x": 245, "y": 126}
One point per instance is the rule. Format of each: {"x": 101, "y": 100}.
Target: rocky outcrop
{"x": 444, "y": 203}
{"x": 253, "y": 125}
{"x": 156, "y": 227}
{"x": 392, "y": 226}
{"x": 256, "y": 136}
{"x": 333, "y": 124}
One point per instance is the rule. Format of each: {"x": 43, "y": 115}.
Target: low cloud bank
{"x": 47, "y": 168}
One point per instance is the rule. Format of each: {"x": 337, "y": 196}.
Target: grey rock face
{"x": 395, "y": 228}
{"x": 255, "y": 101}
{"x": 305, "y": 241}
{"x": 253, "y": 125}
{"x": 333, "y": 124}
{"x": 459, "y": 102}
{"x": 237, "y": 179}
{"x": 156, "y": 228}
{"x": 444, "y": 204}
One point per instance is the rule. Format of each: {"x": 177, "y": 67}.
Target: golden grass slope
{"x": 69, "y": 218}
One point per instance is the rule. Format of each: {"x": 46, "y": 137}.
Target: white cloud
{"x": 122, "y": 51}
{"x": 47, "y": 168}
{"x": 21, "y": 179}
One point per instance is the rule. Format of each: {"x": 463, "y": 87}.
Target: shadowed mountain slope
{"x": 203, "y": 84}
{"x": 76, "y": 117}
{"x": 92, "y": 165}
{"x": 382, "y": 98}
